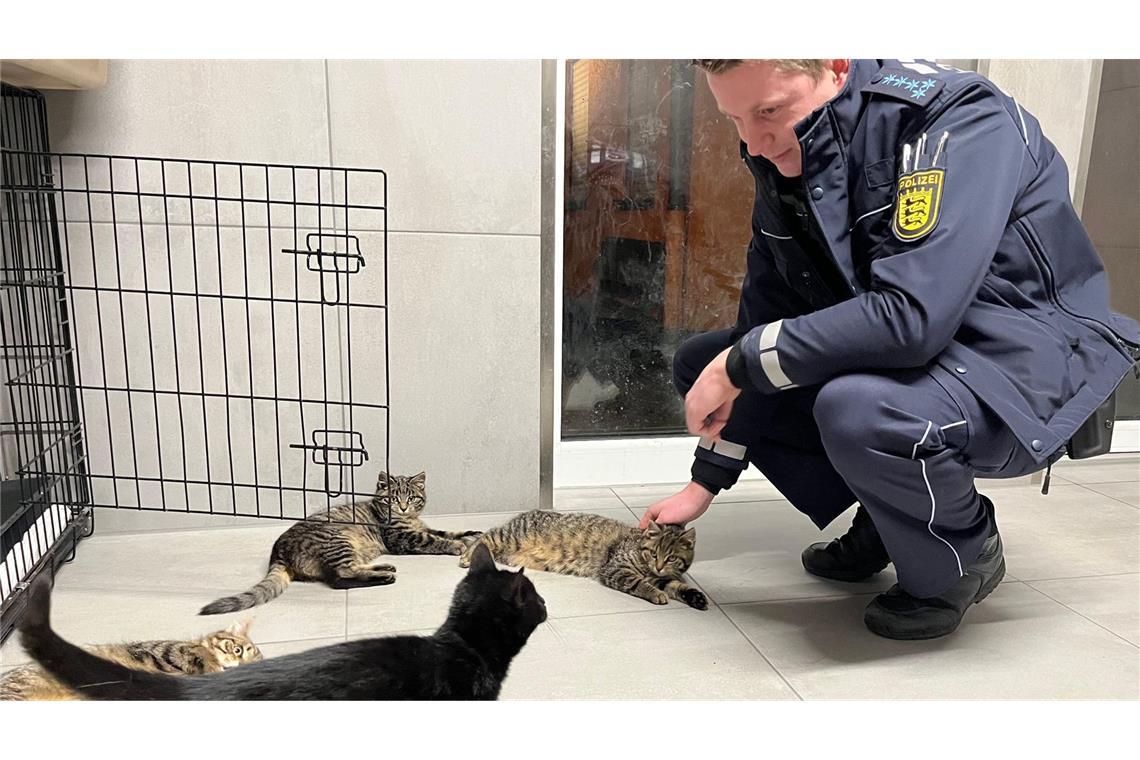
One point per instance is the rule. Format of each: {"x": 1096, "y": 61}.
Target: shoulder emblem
{"x": 904, "y": 84}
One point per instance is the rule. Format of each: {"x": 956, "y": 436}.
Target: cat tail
{"x": 270, "y": 587}
{"x": 86, "y": 673}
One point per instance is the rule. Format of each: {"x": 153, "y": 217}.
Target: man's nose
{"x": 757, "y": 141}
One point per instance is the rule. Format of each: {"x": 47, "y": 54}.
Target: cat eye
{"x": 237, "y": 651}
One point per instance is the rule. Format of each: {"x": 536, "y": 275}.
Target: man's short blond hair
{"x": 813, "y": 67}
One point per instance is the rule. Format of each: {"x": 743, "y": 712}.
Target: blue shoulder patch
{"x": 904, "y": 84}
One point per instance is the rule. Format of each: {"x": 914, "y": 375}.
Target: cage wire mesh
{"x": 38, "y": 530}
{"x": 194, "y": 336}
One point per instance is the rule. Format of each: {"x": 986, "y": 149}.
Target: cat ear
{"x": 382, "y": 481}
{"x": 653, "y": 529}
{"x": 690, "y": 535}
{"x": 481, "y": 560}
{"x": 240, "y": 628}
{"x": 419, "y": 478}
{"x": 520, "y": 572}
{"x": 519, "y": 585}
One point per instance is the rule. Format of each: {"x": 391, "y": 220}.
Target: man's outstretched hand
{"x": 709, "y": 402}
{"x": 678, "y": 509}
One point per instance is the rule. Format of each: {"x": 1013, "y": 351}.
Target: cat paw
{"x": 383, "y": 568}
{"x": 695, "y": 599}
{"x": 465, "y": 560}
{"x": 458, "y": 548}
{"x": 659, "y": 598}
{"x": 470, "y": 537}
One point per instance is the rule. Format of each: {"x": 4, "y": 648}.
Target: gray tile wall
{"x": 1058, "y": 93}
{"x": 1112, "y": 201}
{"x": 460, "y": 141}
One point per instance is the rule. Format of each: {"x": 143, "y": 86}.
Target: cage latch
{"x": 335, "y": 458}
{"x": 335, "y": 257}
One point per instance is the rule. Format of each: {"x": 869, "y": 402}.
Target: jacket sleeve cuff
{"x": 713, "y": 477}
{"x": 762, "y": 358}
{"x": 736, "y": 368}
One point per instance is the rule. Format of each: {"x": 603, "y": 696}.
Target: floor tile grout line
{"x": 1091, "y": 487}
{"x": 1082, "y": 615}
{"x": 1080, "y": 577}
{"x": 851, "y": 595}
{"x": 1094, "y": 482}
{"x": 670, "y": 607}
{"x": 758, "y": 651}
{"x": 297, "y": 641}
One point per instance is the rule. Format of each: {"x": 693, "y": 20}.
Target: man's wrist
{"x": 701, "y": 490}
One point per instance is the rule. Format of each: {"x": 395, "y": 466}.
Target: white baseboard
{"x": 627, "y": 461}
{"x": 1126, "y": 436}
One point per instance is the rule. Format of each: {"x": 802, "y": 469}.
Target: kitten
{"x": 647, "y": 564}
{"x": 493, "y": 613}
{"x": 343, "y": 555}
{"x": 212, "y": 653}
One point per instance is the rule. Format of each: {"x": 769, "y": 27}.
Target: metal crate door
{"x": 228, "y": 331}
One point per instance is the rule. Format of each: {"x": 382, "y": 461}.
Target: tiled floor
{"x": 1065, "y": 623}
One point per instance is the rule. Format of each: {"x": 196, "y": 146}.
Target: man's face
{"x": 765, "y": 104}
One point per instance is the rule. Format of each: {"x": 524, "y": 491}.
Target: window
{"x": 657, "y": 223}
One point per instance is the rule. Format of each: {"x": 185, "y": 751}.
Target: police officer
{"x": 921, "y": 307}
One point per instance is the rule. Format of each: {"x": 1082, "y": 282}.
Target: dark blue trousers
{"x": 906, "y": 444}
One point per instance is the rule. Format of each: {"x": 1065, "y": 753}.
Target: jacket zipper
{"x": 1030, "y": 237}
{"x": 774, "y": 210}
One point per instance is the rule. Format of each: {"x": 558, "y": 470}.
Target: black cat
{"x": 492, "y": 614}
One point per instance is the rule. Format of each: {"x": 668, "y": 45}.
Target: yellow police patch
{"x": 918, "y": 201}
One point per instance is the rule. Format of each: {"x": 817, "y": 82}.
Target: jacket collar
{"x": 846, "y": 107}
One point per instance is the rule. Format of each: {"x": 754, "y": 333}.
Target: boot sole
{"x": 920, "y": 635}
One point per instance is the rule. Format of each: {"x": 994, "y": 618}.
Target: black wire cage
{"x": 185, "y": 336}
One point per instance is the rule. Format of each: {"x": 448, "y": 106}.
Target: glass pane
{"x": 657, "y": 215}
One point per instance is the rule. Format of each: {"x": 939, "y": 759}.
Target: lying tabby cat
{"x": 493, "y": 613}
{"x": 212, "y": 653}
{"x": 343, "y": 555}
{"x": 647, "y": 564}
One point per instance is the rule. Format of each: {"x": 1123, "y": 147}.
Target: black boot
{"x": 896, "y": 614}
{"x": 855, "y": 556}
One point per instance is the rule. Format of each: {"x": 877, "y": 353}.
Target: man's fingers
{"x": 697, "y": 418}
{"x": 695, "y": 423}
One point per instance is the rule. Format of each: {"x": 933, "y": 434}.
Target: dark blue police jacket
{"x": 960, "y": 248}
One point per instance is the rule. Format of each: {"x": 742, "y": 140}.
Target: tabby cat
{"x": 493, "y": 613}
{"x": 344, "y": 555}
{"x": 212, "y": 653}
{"x": 645, "y": 563}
